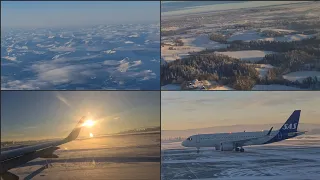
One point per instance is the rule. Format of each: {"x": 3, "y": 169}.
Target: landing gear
{"x": 239, "y": 149}
{"x": 198, "y": 150}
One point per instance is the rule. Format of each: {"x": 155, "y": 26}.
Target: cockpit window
{"x": 190, "y": 139}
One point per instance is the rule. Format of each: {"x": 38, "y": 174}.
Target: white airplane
{"x": 16, "y": 157}
{"x": 236, "y": 141}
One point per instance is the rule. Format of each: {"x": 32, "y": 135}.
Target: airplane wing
{"x": 16, "y": 157}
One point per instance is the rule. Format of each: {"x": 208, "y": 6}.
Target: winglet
{"x": 75, "y": 132}
{"x": 270, "y": 131}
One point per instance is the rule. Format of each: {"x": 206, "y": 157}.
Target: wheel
{"x": 237, "y": 149}
{"x": 241, "y": 150}
{"x": 198, "y": 151}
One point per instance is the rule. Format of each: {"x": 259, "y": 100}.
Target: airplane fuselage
{"x": 248, "y": 138}
{"x": 235, "y": 141}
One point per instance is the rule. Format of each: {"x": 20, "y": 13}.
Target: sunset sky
{"x": 29, "y": 115}
{"x": 191, "y": 110}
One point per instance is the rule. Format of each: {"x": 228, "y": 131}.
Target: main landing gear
{"x": 198, "y": 150}
{"x": 239, "y": 149}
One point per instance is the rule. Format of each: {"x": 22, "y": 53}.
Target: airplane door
{"x": 198, "y": 139}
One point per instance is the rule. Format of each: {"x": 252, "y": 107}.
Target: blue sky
{"x": 59, "y": 14}
{"x": 190, "y": 110}
{"x": 50, "y": 114}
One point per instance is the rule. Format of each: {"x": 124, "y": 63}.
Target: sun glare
{"x": 91, "y": 135}
{"x": 88, "y": 123}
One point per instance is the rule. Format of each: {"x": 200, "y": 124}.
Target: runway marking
{"x": 191, "y": 171}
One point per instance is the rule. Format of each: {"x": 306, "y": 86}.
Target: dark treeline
{"x": 214, "y": 67}
{"x": 311, "y": 46}
{"x": 218, "y": 38}
{"x": 295, "y": 60}
{"x": 271, "y": 33}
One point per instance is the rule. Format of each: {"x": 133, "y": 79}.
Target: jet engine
{"x": 226, "y": 147}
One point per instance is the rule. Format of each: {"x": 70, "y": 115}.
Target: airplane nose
{"x": 183, "y": 143}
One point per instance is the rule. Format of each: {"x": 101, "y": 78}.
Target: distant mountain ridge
{"x": 311, "y": 128}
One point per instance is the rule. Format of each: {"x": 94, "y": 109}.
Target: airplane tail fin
{"x": 75, "y": 132}
{"x": 291, "y": 125}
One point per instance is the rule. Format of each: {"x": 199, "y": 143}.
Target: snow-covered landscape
{"x": 258, "y": 34}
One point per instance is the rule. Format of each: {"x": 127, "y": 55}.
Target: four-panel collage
{"x": 160, "y": 90}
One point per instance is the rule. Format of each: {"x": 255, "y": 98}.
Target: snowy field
{"x": 274, "y": 87}
{"x": 251, "y": 55}
{"x": 253, "y": 35}
{"x": 192, "y": 43}
{"x": 123, "y": 157}
{"x": 296, "y": 159}
{"x": 301, "y": 75}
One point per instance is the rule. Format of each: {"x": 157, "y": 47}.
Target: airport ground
{"x": 296, "y": 159}
{"x": 130, "y": 157}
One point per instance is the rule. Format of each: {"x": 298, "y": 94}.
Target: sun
{"x": 91, "y": 135}
{"x": 88, "y": 123}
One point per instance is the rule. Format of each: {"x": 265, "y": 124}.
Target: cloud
{"x": 13, "y": 58}
{"x": 137, "y": 63}
{"x": 124, "y": 65}
{"x": 128, "y": 42}
{"x": 57, "y": 73}
{"x": 111, "y": 62}
{"x": 22, "y": 85}
{"x": 62, "y": 49}
{"x": 59, "y": 70}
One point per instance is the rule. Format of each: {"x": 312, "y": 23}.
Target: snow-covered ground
{"x": 122, "y": 157}
{"x": 251, "y": 55}
{"x": 301, "y": 75}
{"x": 263, "y": 70}
{"x": 274, "y": 87}
{"x": 191, "y": 44}
{"x": 253, "y": 35}
{"x": 290, "y": 159}
{"x": 171, "y": 87}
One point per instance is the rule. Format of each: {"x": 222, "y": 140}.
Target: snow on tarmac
{"x": 122, "y": 157}
{"x": 294, "y": 160}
